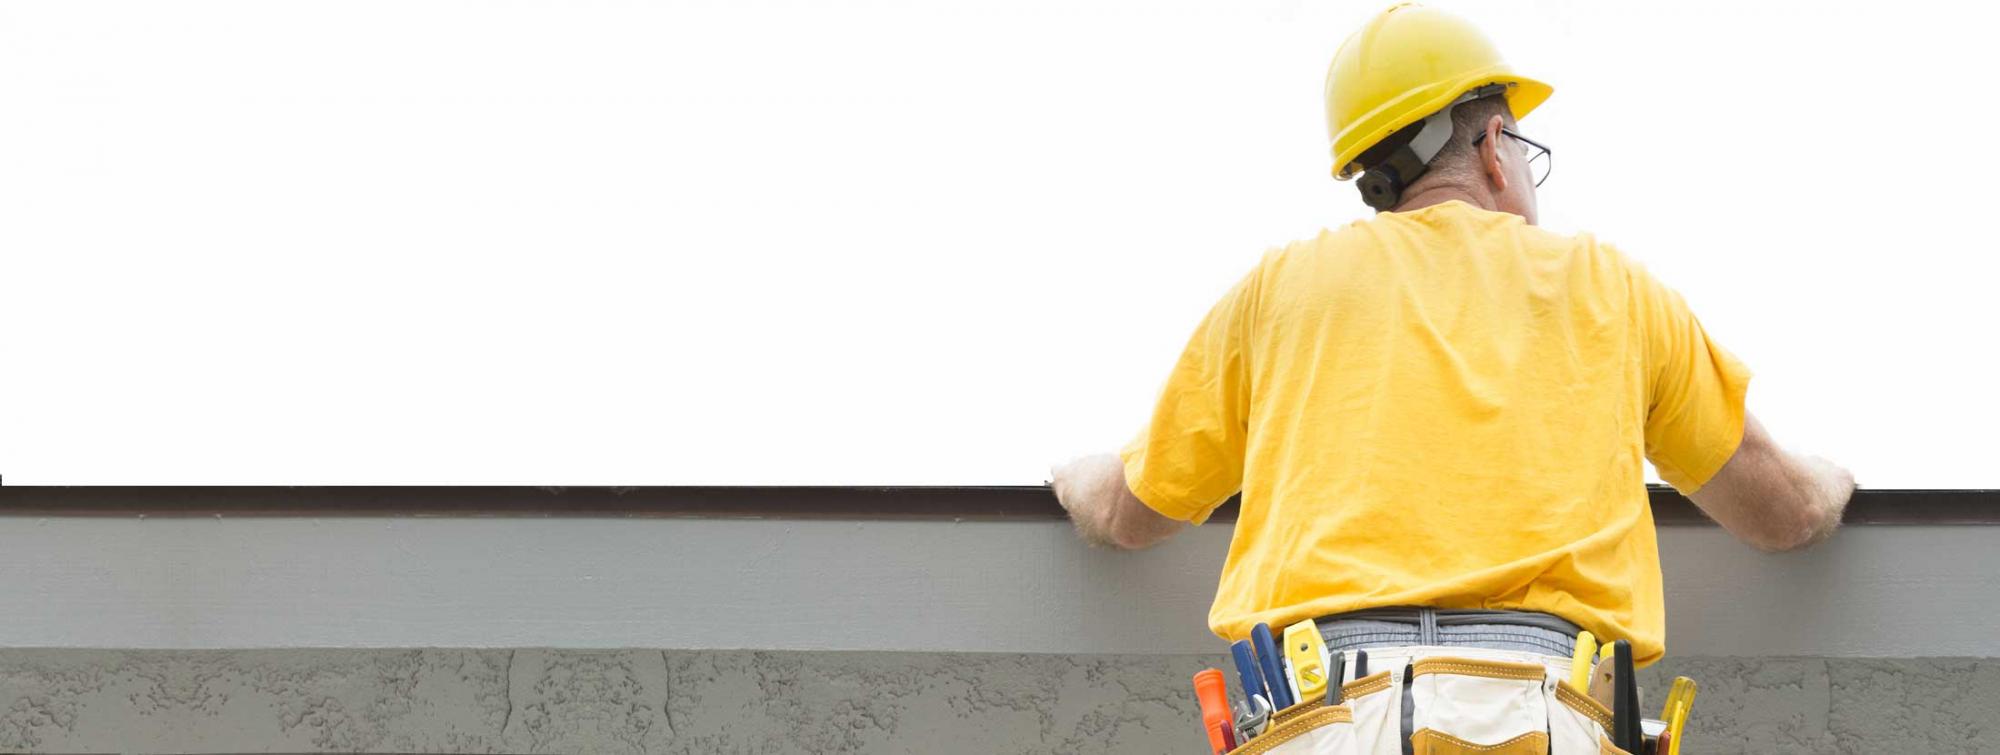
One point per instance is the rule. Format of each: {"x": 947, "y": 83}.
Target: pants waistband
{"x": 1525, "y": 631}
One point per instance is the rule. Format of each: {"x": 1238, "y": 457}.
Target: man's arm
{"x": 1093, "y": 490}
{"x": 1772, "y": 499}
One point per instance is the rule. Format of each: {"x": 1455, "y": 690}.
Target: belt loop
{"x": 1427, "y": 626}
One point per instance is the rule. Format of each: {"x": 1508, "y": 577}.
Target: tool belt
{"x": 1443, "y": 682}
{"x": 1463, "y": 700}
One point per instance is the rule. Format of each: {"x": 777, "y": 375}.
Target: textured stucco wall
{"x": 709, "y": 701}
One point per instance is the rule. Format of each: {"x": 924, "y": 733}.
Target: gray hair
{"x": 1468, "y": 119}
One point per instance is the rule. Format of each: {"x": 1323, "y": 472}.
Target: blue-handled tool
{"x": 1270, "y": 660}
{"x": 1247, "y": 671}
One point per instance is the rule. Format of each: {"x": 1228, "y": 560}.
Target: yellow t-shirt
{"x": 1445, "y": 407}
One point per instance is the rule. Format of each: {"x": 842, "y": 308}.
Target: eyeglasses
{"x": 1540, "y": 160}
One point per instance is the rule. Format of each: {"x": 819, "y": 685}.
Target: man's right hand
{"x": 1775, "y": 500}
{"x": 1836, "y": 487}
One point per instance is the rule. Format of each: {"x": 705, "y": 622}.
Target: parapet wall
{"x": 161, "y": 626}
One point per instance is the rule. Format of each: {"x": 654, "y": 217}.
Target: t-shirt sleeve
{"x": 1694, "y": 411}
{"x": 1189, "y": 458}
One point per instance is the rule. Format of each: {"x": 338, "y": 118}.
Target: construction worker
{"x": 1436, "y": 417}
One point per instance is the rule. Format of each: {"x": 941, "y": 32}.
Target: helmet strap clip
{"x": 1409, "y": 153}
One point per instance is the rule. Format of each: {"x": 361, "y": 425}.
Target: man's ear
{"x": 1489, "y": 154}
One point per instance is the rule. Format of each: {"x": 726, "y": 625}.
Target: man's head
{"x": 1387, "y": 81}
{"x": 1482, "y": 160}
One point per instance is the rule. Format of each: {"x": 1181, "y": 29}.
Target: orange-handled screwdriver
{"x": 1210, "y": 691}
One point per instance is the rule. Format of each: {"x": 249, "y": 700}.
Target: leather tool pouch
{"x": 1463, "y": 705}
{"x": 1459, "y": 705}
{"x": 1368, "y": 720}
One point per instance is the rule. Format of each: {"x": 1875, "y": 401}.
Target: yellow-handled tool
{"x": 1307, "y": 652}
{"x": 1680, "y": 702}
{"x": 1579, "y": 662}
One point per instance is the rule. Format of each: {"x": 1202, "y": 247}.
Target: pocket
{"x": 1377, "y": 704}
{"x": 1428, "y": 742}
{"x": 1321, "y": 730}
{"x": 1295, "y": 710}
{"x": 1478, "y": 706}
{"x": 1577, "y": 724}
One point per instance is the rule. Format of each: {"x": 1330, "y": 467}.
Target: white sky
{"x": 888, "y": 242}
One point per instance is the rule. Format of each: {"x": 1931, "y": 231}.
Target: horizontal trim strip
{"x": 1005, "y": 503}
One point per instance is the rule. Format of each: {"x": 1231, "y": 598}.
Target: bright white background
{"x": 887, "y": 242}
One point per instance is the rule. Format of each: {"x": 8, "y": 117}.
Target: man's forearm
{"x": 1102, "y": 507}
{"x": 1774, "y": 499}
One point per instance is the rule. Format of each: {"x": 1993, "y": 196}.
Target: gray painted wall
{"x": 650, "y": 701}
{"x": 858, "y": 585}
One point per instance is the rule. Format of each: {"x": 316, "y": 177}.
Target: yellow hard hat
{"x": 1407, "y": 63}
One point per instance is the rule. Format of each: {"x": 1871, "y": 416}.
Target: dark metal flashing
{"x": 981, "y": 503}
